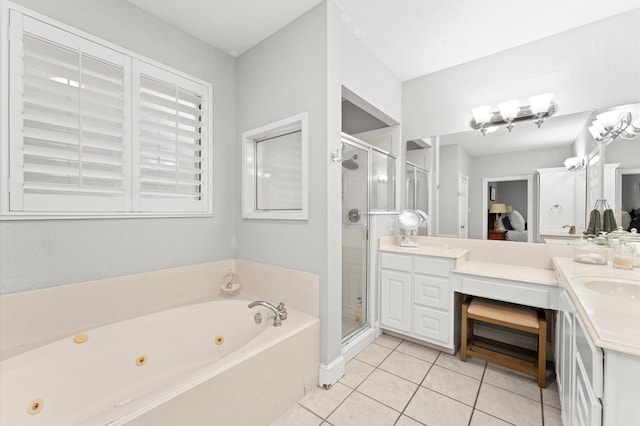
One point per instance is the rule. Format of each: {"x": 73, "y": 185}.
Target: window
{"x": 275, "y": 181}
{"x": 99, "y": 131}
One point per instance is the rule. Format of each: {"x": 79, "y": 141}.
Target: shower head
{"x": 351, "y": 163}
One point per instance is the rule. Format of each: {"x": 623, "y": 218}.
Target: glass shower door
{"x": 355, "y": 228}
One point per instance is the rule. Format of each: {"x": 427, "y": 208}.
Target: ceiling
{"x": 411, "y": 37}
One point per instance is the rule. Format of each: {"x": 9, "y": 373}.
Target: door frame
{"x": 485, "y": 200}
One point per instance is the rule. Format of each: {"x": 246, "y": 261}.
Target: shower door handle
{"x": 354, "y": 215}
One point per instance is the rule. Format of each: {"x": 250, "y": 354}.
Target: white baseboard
{"x": 329, "y": 374}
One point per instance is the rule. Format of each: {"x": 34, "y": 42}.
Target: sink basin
{"x": 626, "y": 289}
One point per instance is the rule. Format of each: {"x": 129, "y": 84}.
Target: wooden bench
{"x": 509, "y": 315}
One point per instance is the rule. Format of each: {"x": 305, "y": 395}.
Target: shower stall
{"x": 368, "y": 184}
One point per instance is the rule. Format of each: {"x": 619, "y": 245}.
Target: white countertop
{"x": 521, "y": 273}
{"x": 425, "y": 250}
{"x": 613, "y": 322}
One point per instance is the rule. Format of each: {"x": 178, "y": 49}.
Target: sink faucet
{"x": 279, "y": 311}
{"x": 572, "y": 229}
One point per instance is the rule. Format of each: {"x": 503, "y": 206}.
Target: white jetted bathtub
{"x": 204, "y": 364}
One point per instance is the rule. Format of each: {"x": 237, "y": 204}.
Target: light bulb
{"x": 540, "y": 103}
{"x": 482, "y": 114}
{"x": 609, "y": 118}
{"x": 509, "y": 109}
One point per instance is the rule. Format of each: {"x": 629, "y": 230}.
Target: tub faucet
{"x": 572, "y": 229}
{"x": 279, "y": 311}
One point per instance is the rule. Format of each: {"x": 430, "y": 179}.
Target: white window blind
{"x": 172, "y": 133}
{"x": 69, "y": 144}
{"x": 98, "y": 131}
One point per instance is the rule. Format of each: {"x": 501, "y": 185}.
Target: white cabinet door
{"x": 395, "y": 300}
{"x": 431, "y": 324}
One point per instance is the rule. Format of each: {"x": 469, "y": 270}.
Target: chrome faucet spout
{"x": 280, "y": 311}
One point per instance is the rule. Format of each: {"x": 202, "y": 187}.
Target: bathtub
{"x": 202, "y": 364}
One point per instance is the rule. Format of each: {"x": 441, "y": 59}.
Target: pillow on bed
{"x": 517, "y": 221}
{"x": 506, "y": 223}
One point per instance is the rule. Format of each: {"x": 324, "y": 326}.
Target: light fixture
{"x": 611, "y": 124}
{"x": 510, "y": 112}
{"x": 573, "y": 164}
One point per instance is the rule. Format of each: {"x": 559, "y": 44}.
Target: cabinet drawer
{"x": 591, "y": 358}
{"x": 395, "y": 261}
{"x": 430, "y": 266}
{"x": 587, "y": 408}
{"x": 507, "y": 291}
{"x": 431, "y": 324}
{"x": 431, "y": 291}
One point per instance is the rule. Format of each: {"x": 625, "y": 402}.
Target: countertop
{"x": 425, "y": 250}
{"x": 521, "y": 273}
{"x": 613, "y": 322}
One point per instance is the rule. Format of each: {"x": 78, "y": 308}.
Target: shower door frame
{"x": 346, "y": 339}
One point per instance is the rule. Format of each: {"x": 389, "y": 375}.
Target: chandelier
{"x": 510, "y": 112}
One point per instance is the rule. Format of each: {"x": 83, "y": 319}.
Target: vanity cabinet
{"x": 579, "y": 369}
{"x": 417, "y": 299}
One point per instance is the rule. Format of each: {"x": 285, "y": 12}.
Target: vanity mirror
{"x": 513, "y": 164}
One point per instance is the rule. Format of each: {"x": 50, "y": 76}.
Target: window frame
{"x": 8, "y": 185}
{"x": 249, "y": 140}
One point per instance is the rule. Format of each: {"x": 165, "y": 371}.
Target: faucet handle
{"x": 282, "y": 310}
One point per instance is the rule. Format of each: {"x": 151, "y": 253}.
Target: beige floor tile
{"x": 406, "y": 366}
{"x": 322, "y": 402}
{"x": 355, "y": 372}
{"x": 434, "y": 409}
{"x": 388, "y": 389}
{"x": 298, "y": 416}
{"x": 473, "y": 367}
{"x": 483, "y": 419}
{"x": 388, "y": 341}
{"x": 373, "y": 354}
{"x": 513, "y": 381}
{"x": 551, "y": 416}
{"x": 454, "y": 385}
{"x": 407, "y": 421}
{"x": 359, "y": 410}
{"x": 550, "y": 395}
{"x": 508, "y": 406}
{"x": 418, "y": 351}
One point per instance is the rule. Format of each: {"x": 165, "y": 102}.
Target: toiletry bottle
{"x": 359, "y": 310}
{"x": 623, "y": 256}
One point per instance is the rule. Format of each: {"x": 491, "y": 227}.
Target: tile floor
{"x": 396, "y": 382}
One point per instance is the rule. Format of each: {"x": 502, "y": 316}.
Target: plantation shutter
{"x": 70, "y": 145}
{"x": 171, "y": 157}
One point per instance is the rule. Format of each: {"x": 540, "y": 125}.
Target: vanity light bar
{"x": 539, "y": 108}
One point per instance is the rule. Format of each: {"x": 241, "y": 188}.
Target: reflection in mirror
{"x": 540, "y": 153}
{"x": 417, "y": 194}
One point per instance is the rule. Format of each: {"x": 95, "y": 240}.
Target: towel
{"x": 608, "y": 221}
{"x": 595, "y": 225}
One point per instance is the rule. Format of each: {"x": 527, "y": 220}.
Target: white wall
{"x": 368, "y": 78}
{"x": 448, "y": 192}
{"x": 293, "y": 71}
{"x": 583, "y": 67}
{"x": 45, "y": 253}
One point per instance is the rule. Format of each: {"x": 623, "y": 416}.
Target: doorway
{"x": 491, "y": 194}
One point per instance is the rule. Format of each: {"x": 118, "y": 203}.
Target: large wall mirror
{"x": 527, "y": 170}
